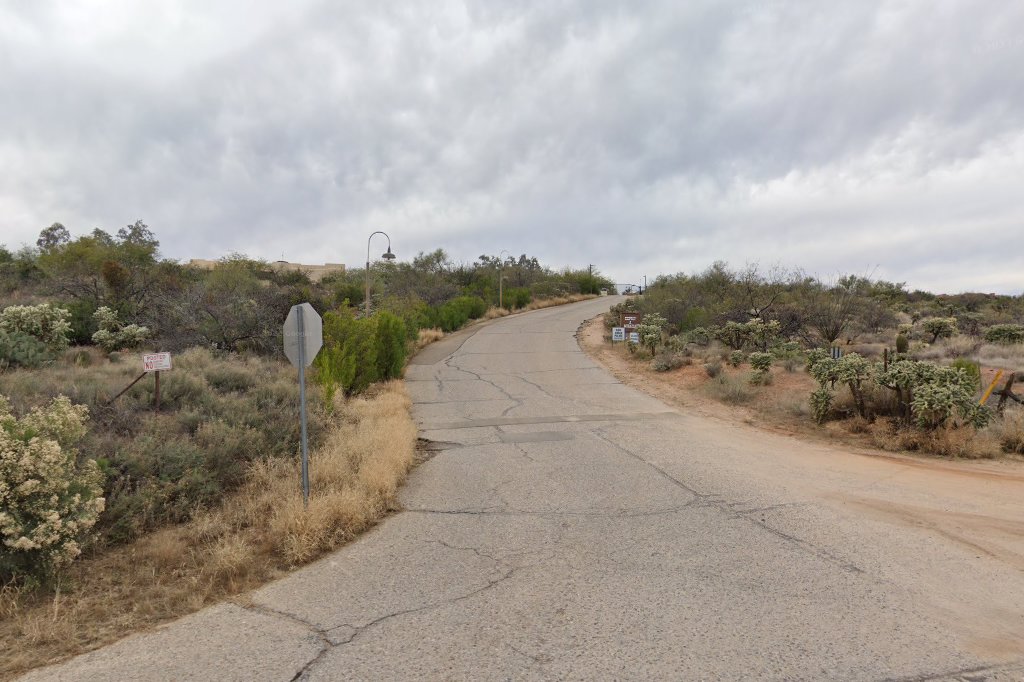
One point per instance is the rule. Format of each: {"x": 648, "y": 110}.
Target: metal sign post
{"x": 303, "y": 338}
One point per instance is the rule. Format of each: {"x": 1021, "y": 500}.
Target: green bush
{"x": 713, "y": 369}
{"x": 1005, "y": 333}
{"x": 348, "y": 359}
{"x": 391, "y": 346}
{"x": 517, "y": 298}
{"x": 736, "y": 358}
{"x": 48, "y": 502}
{"x": 228, "y": 378}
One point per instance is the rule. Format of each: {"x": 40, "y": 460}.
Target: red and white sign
{"x": 156, "y": 362}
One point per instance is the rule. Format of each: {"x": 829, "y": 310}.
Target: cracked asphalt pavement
{"x": 569, "y": 527}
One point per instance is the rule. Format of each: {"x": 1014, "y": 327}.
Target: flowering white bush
{"x": 43, "y": 322}
{"x": 112, "y": 335}
{"x": 47, "y": 502}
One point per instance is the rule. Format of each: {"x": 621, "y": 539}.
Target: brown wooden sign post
{"x": 630, "y": 321}
{"x": 156, "y": 362}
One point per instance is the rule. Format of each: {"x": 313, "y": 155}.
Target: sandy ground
{"x": 992, "y": 491}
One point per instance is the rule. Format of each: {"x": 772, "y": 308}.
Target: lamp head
{"x": 388, "y": 255}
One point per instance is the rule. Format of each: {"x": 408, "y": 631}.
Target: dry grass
{"x": 558, "y": 300}
{"x": 1001, "y": 355}
{"x": 1008, "y": 431}
{"x": 494, "y": 313}
{"x": 258, "y": 532}
{"x": 425, "y": 337}
{"x": 965, "y": 443}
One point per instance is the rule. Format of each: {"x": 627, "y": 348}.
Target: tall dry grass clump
{"x": 425, "y": 337}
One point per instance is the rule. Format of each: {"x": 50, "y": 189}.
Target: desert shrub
{"x": 113, "y": 335}
{"x": 939, "y": 327}
{"x": 227, "y": 378}
{"x": 667, "y": 361}
{"x": 736, "y": 358}
{"x": 1009, "y": 432}
{"x": 177, "y": 390}
{"x": 761, "y": 378}
{"x": 730, "y": 390}
{"x": 760, "y": 361}
{"x": 391, "y": 346}
{"x": 49, "y": 503}
{"x": 661, "y": 363}
{"x": 348, "y": 359}
{"x": 21, "y": 350}
{"x": 43, "y": 322}
{"x": 713, "y": 369}
{"x": 518, "y": 297}
{"x": 1005, "y": 333}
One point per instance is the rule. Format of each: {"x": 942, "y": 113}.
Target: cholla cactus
{"x": 44, "y": 323}
{"x": 47, "y": 503}
{"x": 762, "y": 362}
{"x": 763, "y": 335}
{"x": 939, "y": 327}
{"x": 821, "y": 403}
{"x": 1005, "y": 333}
{"x": 112, "y": 335}
{"x": 650, "y": 330}
{"x": 814, "y": 356}
{"x": 736, "y": 358}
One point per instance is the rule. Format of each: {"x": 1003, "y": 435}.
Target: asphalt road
{"x": 570, "y": 527}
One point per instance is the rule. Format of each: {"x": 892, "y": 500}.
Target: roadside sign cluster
{"x": 629, "y": 323}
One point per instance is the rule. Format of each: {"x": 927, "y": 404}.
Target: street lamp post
{"x": 386, "y": 256}
{"x": 501, "y": 273}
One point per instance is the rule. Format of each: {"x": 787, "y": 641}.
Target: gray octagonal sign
{"x": 303, "y": 334}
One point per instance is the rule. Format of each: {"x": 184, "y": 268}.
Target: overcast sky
{"x": 644, "y": 137}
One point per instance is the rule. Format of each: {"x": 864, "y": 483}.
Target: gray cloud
{"x": 643, "y": 137}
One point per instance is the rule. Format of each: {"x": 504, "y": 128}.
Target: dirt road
{"x": 571, "y": 527}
